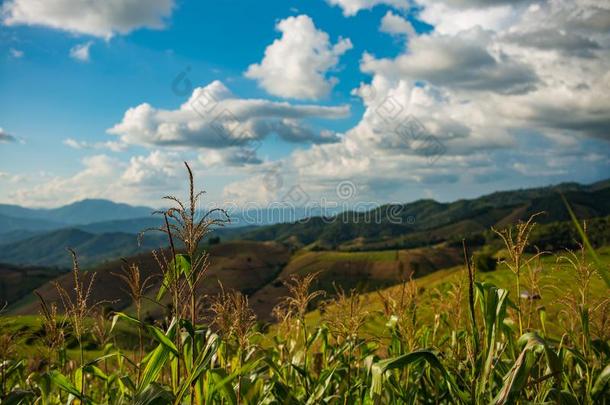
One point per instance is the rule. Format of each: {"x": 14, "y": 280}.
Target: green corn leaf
{"x": 125, "y": 384}
{"x": 493, "y": 302}
{"x": 183, "y": 265}
{"x": 602, "y": 383}
{"x": 222, "y": 381}
{"x": 153, "y": 394}
{"x": 162, "y": 338}
{"x": 157, "y": 359}
{"x": 517, "y": 377}
{"x": 379, "y": 369}
{"x": 322, "y": 386}
{"x": 222, "y": 384}
{"x": 200, "y": 365}
{"x": 96, "y": 371}
{"x": 180, "y": 265}
{"x": 154, "y": 365}
{"x": 168, "y": 277}
{"x": 121, "y": 315}
{"x": 78, "y": 378}
{"x": 64, "y": 383}
{"x": 300, "y": 370}
{"x": 101, "y": 358}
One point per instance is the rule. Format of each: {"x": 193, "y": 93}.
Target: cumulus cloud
{"x": 80, "y": 52}
{"x": 214, "y": 118}
{"x": 152, "y": 170}
{"x": 571, "y": 44}
{"x": 92, "y": 17}
{"x": 461, "y": 61}
{"x": 495, "y": 93}
{"x": 352, "y": 7}
{"x": 5, "y": 137}
{"x": 451, "y": 17}
{"x": 396, "y": 25}
{"x": 229, "y": 157}
{"x": 296, "y": 65}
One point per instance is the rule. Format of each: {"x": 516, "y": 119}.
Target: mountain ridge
{"x": 79, "y": 212}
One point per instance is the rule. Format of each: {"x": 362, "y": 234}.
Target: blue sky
{"x": 507, "y": 96}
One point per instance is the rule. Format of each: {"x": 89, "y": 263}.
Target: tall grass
{"x": 486, "y": 345}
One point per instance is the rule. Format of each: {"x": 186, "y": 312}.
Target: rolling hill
{"x": 247, "y": 266}
{"x": 49, "y": 249}
{"x": 18, "y": 282}
{"x": 259, "y": 269}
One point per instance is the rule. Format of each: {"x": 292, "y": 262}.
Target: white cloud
{"x": 228, "y": 157}
{"x": 249, "y": 192}
{"x": 5, "y": 137}
{"x": 214, "y": 118}
{"x": 94, "y": 181}
{"x": 152, "y": 170}
{"x": 296, "y": 65}
{"x": 141, "y": 180}
{"x": 13, "y": 178}
{"x": 16, "y": 53}
{"x": 74, "y": 144}
{"x": 451, "y": 17}
{"x": 80, "y": 52}
{"x": 465, "y": 60}
{"x": 396, "y": 25}
{"x": 110, "y": 145}
{"x": 91, "y": 17}
{"x": 352, "y": 7}
{"x": 497, "y": 110}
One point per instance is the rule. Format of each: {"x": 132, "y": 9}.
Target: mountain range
{"x": 100, "y": 230}
{"x": 427, "y": 222}
{"x": 81, "y": 212}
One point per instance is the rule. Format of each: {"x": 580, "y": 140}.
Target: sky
{"x": 300, "y": 101}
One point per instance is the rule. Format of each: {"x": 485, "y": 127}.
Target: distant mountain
{"x": 80, "y": 212}
{"x": 13, "y": 223}
{"x": 133, "y": 225}
{"x": 426, "y": 222}
{"x": 17, "y": 235}
{"x": 49, "y": 249}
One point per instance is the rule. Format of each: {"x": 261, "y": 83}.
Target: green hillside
{"x": 555, "y": 282}
{"x": 17, "y": 282}
{"x": 49, "y": 249}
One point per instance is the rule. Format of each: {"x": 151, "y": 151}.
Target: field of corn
{"x": 477, "y": 343}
